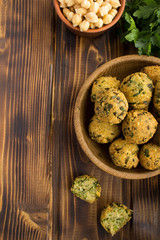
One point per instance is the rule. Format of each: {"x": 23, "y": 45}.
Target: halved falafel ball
{"x": 139, "y": 126}
{"x": 137, "y": 88}
{"x": 86, "y": 188}
{"x": 114, "y": 217}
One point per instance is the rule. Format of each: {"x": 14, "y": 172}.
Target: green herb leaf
{"x": 144, "y": 12}
{"x": 131, "y": 21}
{"x": 150, "y": 2}
{"x": 153, "y": 25}
{"x": 158, "y": 16}
{"x": 141, "y": 25}
{"x": 155, "y": 40}
{"x": 158, "y": 30}
{"x": 133, "y": 35}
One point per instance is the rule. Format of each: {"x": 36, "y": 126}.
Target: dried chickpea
{"x": 91, "y": 17}
{"x": 81, "y": 11}
{"x": 103, "y": 10}
{"x": 107, "y": 18}
{"x": 94, "y": 7}
{"x": 69, "y": 3}
{"x": 78, "y": 1}
{"x": 68, "y": 14}
{"x": 62, "y": 3}
{"x": 76, "y": 20}
{"x": 84, "y": 26}
{"x": 65, "y": 11}
{"x": 100, "y": 2}
{"x": 115, "y": 3}
{"x": 99, "y": 24}
{"x": 85, "y": 4}
{"x": 92, "y": 26}
{"x": 113, "y": 12}
{"x": 76, "y": 6}
{"x": 107, "y": 4}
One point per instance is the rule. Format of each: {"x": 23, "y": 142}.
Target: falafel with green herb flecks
{"x": 137, "y": 88}
{"x": 114, "y": 217}
{"x": 112, "y": 106}
{"x": 139, "y": 126}
{"x": 149, "y": 156}
{"x": 86, "y": 188}
{"x": 102, "y": 84}
{"x": 102, "y": 132}
{"x": 153, "y": 72}
{"x": 124, "y": 154}
{"x": 156, "y": 97}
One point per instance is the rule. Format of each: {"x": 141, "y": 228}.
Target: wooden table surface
{"x": 42, "y": 67}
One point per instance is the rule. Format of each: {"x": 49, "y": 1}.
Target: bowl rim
{"x": 90, "y": 31}
{"x": 78, "y": 128}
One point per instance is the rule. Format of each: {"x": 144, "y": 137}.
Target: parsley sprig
{"x": 141, "y": 25}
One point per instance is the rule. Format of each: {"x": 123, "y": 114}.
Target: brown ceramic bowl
{"x": 91, "y": 32}
{"x": 83, "y": 112}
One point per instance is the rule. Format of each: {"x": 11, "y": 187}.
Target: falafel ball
{"x": 114, "y": 217}
{"x": 153, "y": 72}
{"x": 86, "y": 188}
{"x": 137, "y": 88}
{"x": 112, "y": 106}
{"x": 139, "y": 126}
{"x": 156, "y": 97}
{"x": 101, "y": 84}
{"x": 102, "y": 132}
{"x": 149, "y": 156}
{"x": 124, "y": 154}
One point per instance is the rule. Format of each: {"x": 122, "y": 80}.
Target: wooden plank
{"x": 146, "y": 204}
{"x": 25, "y": 60}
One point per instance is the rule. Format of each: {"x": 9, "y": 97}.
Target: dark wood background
{"x": 42, "y": 67}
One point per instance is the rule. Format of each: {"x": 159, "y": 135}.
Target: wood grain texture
{"x": 75, "y": 59}
{"x": 25, "y": 83}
